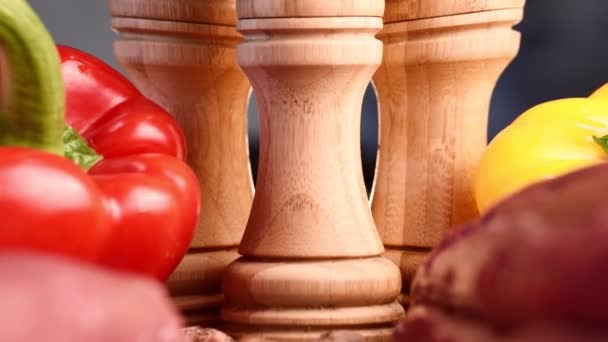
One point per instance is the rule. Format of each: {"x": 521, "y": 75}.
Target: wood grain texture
{"x": 311, "y": 253}
{"x": 434, "y": 88}
{"x": 191, "y": 70}
{"x": 302, "y": 294}
{"x": 310, "y": 198}
{"x": 408, "y": 261}
{"x": 308, "y": 8}
{"x": 220, "y": 12}
{"x": 403, "y": 10}
{"x": 315, "y": 283}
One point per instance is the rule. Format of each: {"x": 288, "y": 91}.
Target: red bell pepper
{"x": 89, "y": 167}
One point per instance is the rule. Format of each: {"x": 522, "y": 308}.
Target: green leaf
{"x": 602, "y": 141}
{"x": 77, "y": 150}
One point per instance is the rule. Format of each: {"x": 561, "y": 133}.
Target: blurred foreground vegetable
{"x": 137, "y": 207}
{"x": 546, "y": 141}
{"x": 53, "y": 299}
{"x": 532, "y": 268}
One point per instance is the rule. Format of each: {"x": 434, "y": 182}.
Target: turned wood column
{"x": 182, "y": 54}
{"x": 440, "y": 66}
{"x": 311, "y": 254}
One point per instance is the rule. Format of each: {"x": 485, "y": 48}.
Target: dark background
{"x": 564, "y": 53}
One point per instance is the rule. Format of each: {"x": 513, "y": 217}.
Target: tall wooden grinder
{"x": 311, "y": 253}
{"x": 440, "y": 66}
{"x": 182, "y": 54}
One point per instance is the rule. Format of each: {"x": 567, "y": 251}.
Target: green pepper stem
{"x": 602, "y": 141}
{"x": 32, "y": 101}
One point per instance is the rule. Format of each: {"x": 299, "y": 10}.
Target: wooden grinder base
{"x": 182, "y": 54}
{"x": 311, "y": 254}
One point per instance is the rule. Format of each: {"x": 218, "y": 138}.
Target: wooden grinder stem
{"x": 311, "y": 253}
{"x": 182, "y": 54}
{"x": 440, "y": 66}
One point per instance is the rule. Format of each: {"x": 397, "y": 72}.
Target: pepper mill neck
{"x": 309, "y": 76}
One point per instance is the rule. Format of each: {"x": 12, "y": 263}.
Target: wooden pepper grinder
{"x": 440, "y": 66}
{"x": 311, "y": 253}
{"x": 182, "y": 54}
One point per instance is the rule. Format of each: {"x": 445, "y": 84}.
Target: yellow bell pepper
{"x": 546, "y": 141}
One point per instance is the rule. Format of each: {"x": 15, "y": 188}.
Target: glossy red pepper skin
{"x": 113, "y": 116}
{"x": 136, "y": 210}
{"x": 151, "y": 194}
{"x": 48, "y": 203}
